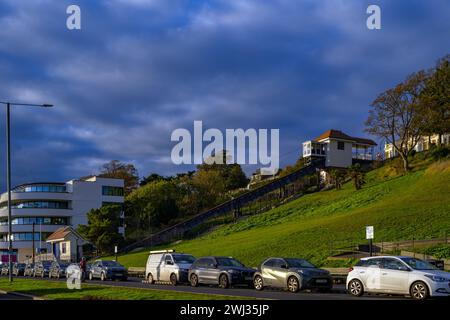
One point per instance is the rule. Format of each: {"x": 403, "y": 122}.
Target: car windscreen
{"x": 299, "y": 263}
{"x": 111, "y": 264}
{"x": 63, "y": 265}
{"x": 418, "y": 264}
{"x": 46, "y": 264}
{"x": 228, "y": 262}
{"x": 183, "y": 258}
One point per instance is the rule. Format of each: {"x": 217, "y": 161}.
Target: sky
{"x": 139, "y": 69}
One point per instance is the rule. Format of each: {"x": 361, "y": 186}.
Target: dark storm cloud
{"x": 139, "y": 69}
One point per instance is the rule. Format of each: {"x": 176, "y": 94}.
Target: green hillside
{"x": 398, "y": 206}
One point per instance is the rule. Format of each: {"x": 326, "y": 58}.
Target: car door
{"x": 167, "y": 268}
{"x": 394, "y": 276}
{"x": 266, "y": 272}
{"x": 211, "y": 272}
{"x": 97, "y": 269}
{"x": 370, "y": 274}
{"x": 275, "y": 274}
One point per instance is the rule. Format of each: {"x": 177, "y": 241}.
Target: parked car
{"x": 18, "y": 269}
{"x": 42, "y": 268}
{"x": 5, "y": 269}
{"x": 168, "y": 266}
{"x": 107, "y": 269}
{"x": 29, "y": 270}
{"x": 398, "y": 275}
{"x": 292, "y": 274}
{"x": 58, "y": 269}
{"x": 222, "y": 271}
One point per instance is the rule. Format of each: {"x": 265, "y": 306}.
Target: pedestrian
{"x": 83, "y": 268}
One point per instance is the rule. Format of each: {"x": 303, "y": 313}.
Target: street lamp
{"x": 8, "y": 170}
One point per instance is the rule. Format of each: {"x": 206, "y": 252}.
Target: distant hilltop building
{"x": 50, "y": 206}
{"x": 339, "y": 149}
{"x": 424, "y": 143}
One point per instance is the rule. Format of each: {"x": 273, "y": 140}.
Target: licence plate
{"x": 321, "y": 281}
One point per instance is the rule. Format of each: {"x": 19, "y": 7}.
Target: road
{"x": 338, "y": 292}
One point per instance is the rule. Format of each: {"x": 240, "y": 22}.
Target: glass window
{"x": 341, "y": 145}
{"x": 418, "y": 264}
{"x": 112, "y": 191}
{"x": 299, "y": 263}
{"x": 278, "y": 263}
{"x": 228, "y": 262}
{"x": 393, "y": 264}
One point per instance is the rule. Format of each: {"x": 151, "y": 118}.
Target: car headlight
{"x": 436, "y": 278}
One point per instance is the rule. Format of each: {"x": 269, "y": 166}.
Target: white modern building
{"x": 47, "y": 207}
{"x": 338, "y": 149}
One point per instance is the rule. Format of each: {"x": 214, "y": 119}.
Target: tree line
{"x": 417, "y": 107}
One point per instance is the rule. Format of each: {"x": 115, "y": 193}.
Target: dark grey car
{"x": 58, "y": 269}
{"x": 222, "y": 271}
{"x": 18, "y": 269}
{"x": 42, "y": 268}
{"x": 107, "y": 269}
{"x": 291, "y": 274}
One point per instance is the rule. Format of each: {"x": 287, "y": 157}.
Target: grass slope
{"x": 56, "y": 290}
{"x": 398, "y": 206}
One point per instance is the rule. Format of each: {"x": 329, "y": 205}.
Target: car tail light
{"x": 350, "y": 269}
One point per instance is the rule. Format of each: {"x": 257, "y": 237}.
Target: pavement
{"x": 338, "y": 292}
{"x": 9, "y": 296}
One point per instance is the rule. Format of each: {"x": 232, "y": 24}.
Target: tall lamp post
{"x": 8, "y": 170}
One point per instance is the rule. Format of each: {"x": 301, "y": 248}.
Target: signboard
{"x": 369, "y": 232}
{"x": 115, "y": 249}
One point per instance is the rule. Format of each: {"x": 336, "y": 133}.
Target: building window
{"x": 25, "y": 236}
{"x": 53, "y": 188}
{"x": 38, "y": 205}
{"x": 112, "y": 191}
{"x": 341, "y": 145}
{"x": 63, "y": 248}
{"x": 35, "y": 220}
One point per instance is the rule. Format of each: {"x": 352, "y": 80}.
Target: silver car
{"x": 291, "y": 274}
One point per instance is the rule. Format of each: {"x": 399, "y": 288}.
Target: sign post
{"x": 369, "y": 236}
{"x": 115, "y": 251}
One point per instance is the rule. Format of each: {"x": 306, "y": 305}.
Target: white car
{"x": 398, "y": 275}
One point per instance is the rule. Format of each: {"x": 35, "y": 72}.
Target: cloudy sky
{"x": 138, "y": 69}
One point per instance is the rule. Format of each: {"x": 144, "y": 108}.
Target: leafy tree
{"x": 435, "y": 101}
{"x": 395, "y": 116}
{"x": 119, "y": 170}
{"x": 152, "y": 205}
{"x": 232, "y": 175}
{"x": 358, "y": 176}
{"x": 153, "y": 177}
{"x": 337, "y": 178}
{"x": 103, "y": 227}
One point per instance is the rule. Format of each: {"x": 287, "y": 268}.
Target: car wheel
{"x": 91, "y": 276}
{"x": 150, "y": 279}
{"x": 355, "y": 288}
{"x": 102, "y": 276}
{"x": 292, "y": 284}
{"x": 223, "y": 281}
{"x": 173, "y": 279}
{"x": 194, "y": 280}
{"x": 419, "y": 290}
{"x": 258, "y": 283}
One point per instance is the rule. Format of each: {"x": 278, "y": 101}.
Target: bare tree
{"x": 394, "y": 116}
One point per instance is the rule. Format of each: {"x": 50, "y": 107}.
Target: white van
{"x": 168, "y": 266}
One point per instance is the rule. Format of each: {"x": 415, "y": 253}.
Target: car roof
{"x": 378, "y": 257}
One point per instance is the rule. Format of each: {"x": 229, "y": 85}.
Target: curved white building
{"x": 50, "y": 206}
